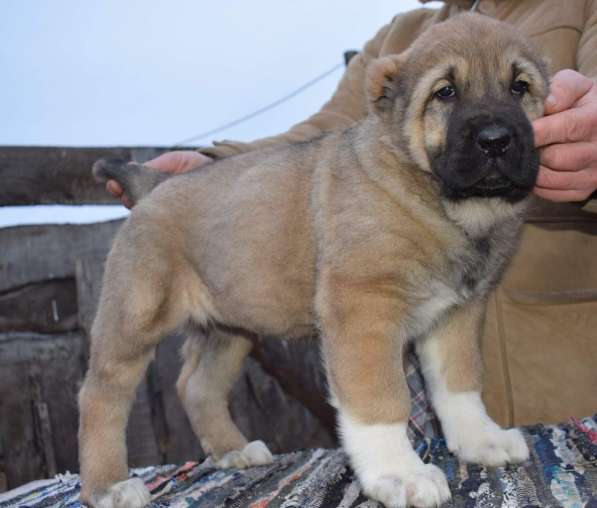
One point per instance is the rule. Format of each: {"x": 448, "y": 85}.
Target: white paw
{"x": 472, "y": 434}
{"x": 427, "y": 486}
{"x": 131, "y": 493}
{"x": 255, "y": 453}
{"x": 386, "y": 489}
{"x": 388, "y": 468}
{"x": 424, "y": 486}
{"x": 490, "y": 445}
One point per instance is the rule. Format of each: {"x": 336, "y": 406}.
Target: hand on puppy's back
{"x": 120, "y": 184}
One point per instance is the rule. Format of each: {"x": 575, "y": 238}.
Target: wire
{"x": 262, "y": 110}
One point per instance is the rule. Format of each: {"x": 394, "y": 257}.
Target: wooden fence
{"x": 49, "y": 282}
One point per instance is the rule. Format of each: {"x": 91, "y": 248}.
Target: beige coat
{"x": 540, "y": 341}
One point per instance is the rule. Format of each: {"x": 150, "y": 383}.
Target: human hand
{"x": 567, "y": 137}
{"x": 179, "y": 161}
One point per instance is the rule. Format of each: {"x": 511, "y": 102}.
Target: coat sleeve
{"x": 587, "y": 47}
{"x": 346, "y": 105}
{"x": 587, "y": 65}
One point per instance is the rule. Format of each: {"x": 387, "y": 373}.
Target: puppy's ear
{"x": 382, "y": 81}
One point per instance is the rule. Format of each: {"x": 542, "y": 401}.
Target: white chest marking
{"x": 432, "y": 307}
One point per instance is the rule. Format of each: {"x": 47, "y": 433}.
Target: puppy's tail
{"x": 135, "y": 179}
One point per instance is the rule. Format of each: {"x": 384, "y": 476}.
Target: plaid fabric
{"x": 423, "y": 423}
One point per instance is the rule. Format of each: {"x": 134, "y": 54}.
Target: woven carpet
{"x": 562, "y": 471}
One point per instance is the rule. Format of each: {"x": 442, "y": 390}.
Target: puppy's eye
{"x": 519, "y": 87}
{"x": 446, "y": 92}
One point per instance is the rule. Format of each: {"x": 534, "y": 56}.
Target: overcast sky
{"x": 124, "y": 72}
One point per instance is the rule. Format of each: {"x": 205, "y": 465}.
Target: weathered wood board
{"x": 39, "y": 380}
{"x": 53, "y": 175}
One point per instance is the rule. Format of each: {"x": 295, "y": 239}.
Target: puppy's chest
{"x": 470, "y": 273}
{"x": 474, "y": 270}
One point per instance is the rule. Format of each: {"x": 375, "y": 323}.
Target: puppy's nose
{"x": 494, "y": 140}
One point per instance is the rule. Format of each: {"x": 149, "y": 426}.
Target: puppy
{"x": 393, "y": 230}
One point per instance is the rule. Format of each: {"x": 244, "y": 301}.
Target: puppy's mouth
{"x": 488, "y": 187}
{"x": 510, "y": 177}
{"x": 490, "y": 181}
{"x": 494, "y": 182}
{"x": 496, "y": 185}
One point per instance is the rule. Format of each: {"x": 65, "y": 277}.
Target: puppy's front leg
{"x": 363, "y": 353}
{"x": 451, "y": 361}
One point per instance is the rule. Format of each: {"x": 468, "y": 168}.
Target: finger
{"x": 178, "y": 161}
{"x": 566, "y": 180}
{"x": 566, "y": 87}
{"x": 568, "y": 126}
{"x": 569, "y": 156}
{"x": 114, "y": 188}
{"x": 561, "y": 196}
{"x": 167, "y": 162}
{"x": 192, "y": 160}
{"x": 126, "y": 202}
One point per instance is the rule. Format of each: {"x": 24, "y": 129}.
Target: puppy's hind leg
{"x": 139, "y": 304}
{"x": 451, "y": 362}
{"x": 212, "y": 362}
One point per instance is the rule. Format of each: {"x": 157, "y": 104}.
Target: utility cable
{"x": 261, "y": 110}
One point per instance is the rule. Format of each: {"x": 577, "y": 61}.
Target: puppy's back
{"x": 246, "y": 226}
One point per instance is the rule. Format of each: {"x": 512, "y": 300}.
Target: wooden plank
{"x": 38, "y": 370}
{"x": 43, "y": 427}
{"x": 142, "y": 446}
{"x": 32, "y": 254}
{"x": 89, "y": 272}
{"x": 37, "y": 175}
{"x": 40, "y": 376}
{"x": 175, "y": 435}
{"x": 262, "y": 409}
{"x": 45, "y": 307}
{"x": 297, "y": 365}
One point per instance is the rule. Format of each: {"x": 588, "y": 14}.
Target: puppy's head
{"x": 460, "y": 102}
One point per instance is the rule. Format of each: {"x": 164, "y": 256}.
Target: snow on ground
{"x": 59, "y": 214}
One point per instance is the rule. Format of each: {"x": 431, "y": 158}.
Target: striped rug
{"x": 562, "y": 471}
